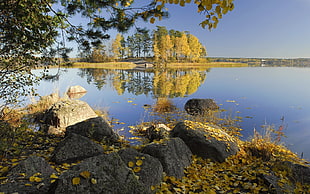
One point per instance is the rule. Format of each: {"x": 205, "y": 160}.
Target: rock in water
{"x": 200, "y": 106}
{"x": 75, "y": 92}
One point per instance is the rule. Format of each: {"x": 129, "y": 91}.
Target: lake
{"x": 278, "y": 96}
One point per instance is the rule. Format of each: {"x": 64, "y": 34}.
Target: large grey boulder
{"x": 74, "y": 148}
{"x": 206, "y": 141}
{"x": 147, "y": 168}
{"x": 173, "y": 154}
{"x": 200, "y": 106}
{"x": 95, "y": 128}
{"x": 31, "y": 175}
{"x": 65, "y": 113}
{"x": 106, "y": 174}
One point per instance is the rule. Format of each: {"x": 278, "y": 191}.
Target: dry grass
{"x": 109, "y": 65}
{"x": 163, "y": 105}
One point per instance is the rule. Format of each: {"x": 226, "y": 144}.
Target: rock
{"x": 65, "y": 113}
{"x": 272, "y": 181}
{"x": 106, "y": 174}
{"x": 300, "y": 173}
{"x": 206, "y": 141}
{"x": 75, "y": 92}
{"x": 156, "y": 132}
{"x": 151, "y": 169}
{"x": 296, "y": 173}
{"x": 74, "y": 148}
{"x": 200, "y": 106}
{"x": 95, "y": 128}
{"x": 50, "y": 99}
{"x": 33, "y": 166}
{"x": 173, "y": 154}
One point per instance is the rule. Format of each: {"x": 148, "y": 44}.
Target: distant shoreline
{"x": 132, "y": 65}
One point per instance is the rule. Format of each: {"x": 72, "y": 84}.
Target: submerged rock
{"x": 206, "y": 141}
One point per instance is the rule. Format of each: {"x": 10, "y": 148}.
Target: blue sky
{"x": 255, "y": 28}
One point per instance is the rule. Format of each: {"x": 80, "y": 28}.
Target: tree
{"x": 117, "y": 47}
{"x": 195, "y": 47}
{"x": 182, "y": 49}
{"x": 27, "y": 29}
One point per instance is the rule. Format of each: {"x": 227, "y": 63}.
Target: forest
{"x": 161, "y": 44}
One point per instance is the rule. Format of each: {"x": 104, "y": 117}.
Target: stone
{"x": 74, "y": 148}
{"x": 95, "y": 128}
{"x": 75, "y": 92}
{"x": 200, "y": 106}
{"x": 151, "y": 172}
{"x": 173, "y": 154}
{"x": 106, "y": 173}
{"x": 65, "y": 113}
{"x": 156, "y": 132}
{"x": 33, "y": 166}
{"x": 206, "y": 141}
{"x": 300, "y": 173}
{"x": 50, "y": 99}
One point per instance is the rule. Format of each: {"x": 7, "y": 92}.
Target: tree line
{"x": 160, "y": 44}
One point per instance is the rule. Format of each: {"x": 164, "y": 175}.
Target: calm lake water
{"x": 261, "y": 95}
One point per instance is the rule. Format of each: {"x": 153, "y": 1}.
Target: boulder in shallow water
{"x": 200, "y": 106}
{"x": 76, "y": 92}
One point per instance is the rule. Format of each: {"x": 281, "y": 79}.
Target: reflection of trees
{"x": 177, "y": 83}
{"x": 160, "y": 83}
{"x": 98, "y": 77}
{"x": 135, "y": 82}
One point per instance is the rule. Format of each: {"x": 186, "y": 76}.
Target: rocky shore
{"x": 98, "y": 161}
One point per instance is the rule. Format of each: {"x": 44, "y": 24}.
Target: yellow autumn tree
{"x": 117, "y": 47}
{"x": 166, "y": 47}
{"x": 182, "y": 49}
{"x": 195, "y": 48}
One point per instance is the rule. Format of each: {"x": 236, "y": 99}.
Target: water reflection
{"x": 169, "y": 83}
